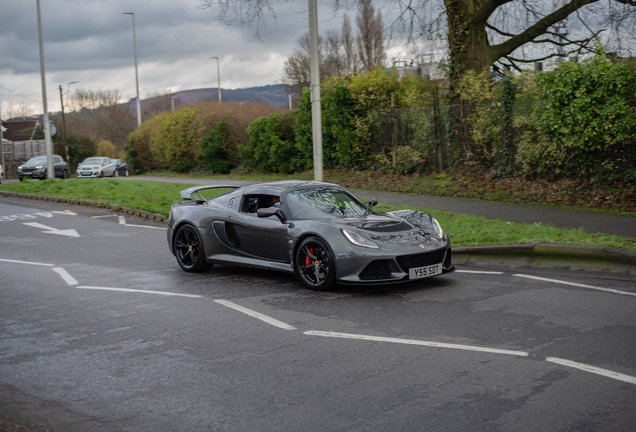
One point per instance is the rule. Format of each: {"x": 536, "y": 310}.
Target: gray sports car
{"x": 319, "y": 231}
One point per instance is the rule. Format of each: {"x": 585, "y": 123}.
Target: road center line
{"x": 138, "y": 291}
{"x": 67, "y": 277}
{"x": 593, "y": 369}
{"x": 256, "y": 315}
{"x": 415, "y": 342}
{"x": 27, "y": 262}
{"x": 479, "y": 272}
{"x": 577, "y": 285}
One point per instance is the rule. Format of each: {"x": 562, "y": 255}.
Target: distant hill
{"x": 273, "y": 95}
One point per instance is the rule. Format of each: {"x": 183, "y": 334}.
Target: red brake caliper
{"x": 307, "y": 259}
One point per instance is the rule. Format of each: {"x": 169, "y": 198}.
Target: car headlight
{"x": 358, "y": 240}
{"x": 20, "y": 168}
{"x": 438, "y": 228}
{"x": 38, "y": 167}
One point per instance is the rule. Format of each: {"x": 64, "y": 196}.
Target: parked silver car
{"x": 96, "y": 167}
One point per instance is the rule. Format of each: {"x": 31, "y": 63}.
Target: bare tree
{"x": 100, "y": 115}
{"x": 478, "y": 34}
{"x": 370, "y": 39}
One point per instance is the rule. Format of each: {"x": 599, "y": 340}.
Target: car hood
{"x": 394, "y": 228}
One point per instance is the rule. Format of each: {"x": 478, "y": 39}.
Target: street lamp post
{"x": 172, "y": 101}
{"x": 218, "y": 74}
{"x": 64, "y": 119}
{"x": 136, "y": 73}
{"x": 45, "y": 117}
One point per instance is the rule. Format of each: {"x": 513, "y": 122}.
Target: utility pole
{"x": 4, "y": 167}
{"x": 218, "y": 75}
{"x": 316, "y": 115}
{"x": 63, "y": 126}
{"x": 45, "y": 120}
{"x": 136, "y": 73}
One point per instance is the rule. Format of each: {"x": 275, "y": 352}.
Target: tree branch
{"x": 507, "y": 47}
{"x": 481, "y": 16}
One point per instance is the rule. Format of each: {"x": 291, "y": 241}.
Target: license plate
{"x": 426, "y": 271}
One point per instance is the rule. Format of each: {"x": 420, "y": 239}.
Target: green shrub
{"x": 79, "y": 148}
{"x": 175, "y": 141}
{"x": 214, "y": 152}
{"x": 138, "y": 146}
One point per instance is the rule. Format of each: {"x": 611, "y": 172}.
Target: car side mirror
{"x": 271, "y": 211}
{"x": 372, "y": 203}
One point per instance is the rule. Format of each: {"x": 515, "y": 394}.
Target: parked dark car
{"x": 121, "y": 168}
{"x": 36, "y": 168}
{"x": 319, "y": 231}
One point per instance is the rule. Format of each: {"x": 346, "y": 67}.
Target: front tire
{"x": 314, "y": 265}
{"x": 115, "y": 173}
{"x": 189, "y": 250}
{"x": 64, "y": 175}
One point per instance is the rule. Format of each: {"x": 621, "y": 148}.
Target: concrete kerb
{"x": 571, "y": 257}
{"x": 91, "y": 203}
{"x": 592, "y": 259}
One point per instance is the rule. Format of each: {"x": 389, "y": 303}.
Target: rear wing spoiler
{"x": 193, "y": 192}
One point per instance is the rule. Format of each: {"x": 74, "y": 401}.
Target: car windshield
{"x": 324, "y": 203}
{"x": 37, "y": 160}
{"x": 92, "y": 161}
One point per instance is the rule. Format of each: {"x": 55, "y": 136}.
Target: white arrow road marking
{"x": 415, "y": 342}
{"x": 593, "y": 369}
{"x": 67, "y": 277}
{"x": 257, "y": 315}
{"x": 49, "y": 230}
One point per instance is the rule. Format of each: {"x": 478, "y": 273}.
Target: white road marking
{"x": 256, "y": 315}
{"x": 103, "y": 216}
{"x": 610, "y": 290}
{"x": 479, "y": 272}
{"x": 65, "y": 212}
{"x": 27, "y": 262}
{"x": 122, "y": 220}
{"x": 67, "y": 277}
{"x": 68, "y": 232}
{"x": 415, "y": 342}
{"x": 138, "y": 291}
{"x": 593, "y": 369}
{"x": 146, "y": 226}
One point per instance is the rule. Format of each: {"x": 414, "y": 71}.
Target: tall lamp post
{"x": 218, "y": 74}
{"x": 45, "y": 117}
{"x": 136, "y": 73}
{"x": 64, "y": 119}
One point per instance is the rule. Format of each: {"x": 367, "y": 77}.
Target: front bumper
{"x": 88, "y": 174}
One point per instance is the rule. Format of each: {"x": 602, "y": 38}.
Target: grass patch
{"x": 464, "y": 229}
{"x": 571, "y": 194}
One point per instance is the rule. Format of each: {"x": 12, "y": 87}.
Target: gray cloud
{"x": 91, "y": 41}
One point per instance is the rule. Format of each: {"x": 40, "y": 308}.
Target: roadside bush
{"x": 106, "y": 148}
{"x": 175, "y": 141}
{"x": 79, "y": 148}
{"x": 214, "y": 153}
{"x": 272, "y": 147}
{"x": 586, "y": 109}
{"x": 138, "y": 154}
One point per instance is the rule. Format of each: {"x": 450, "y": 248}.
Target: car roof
{"x": 278, "y": 187}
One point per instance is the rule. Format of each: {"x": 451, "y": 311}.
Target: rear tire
{"x": 64, "y": 175}
{"x": 115, "y": 173}
{"x": 314, "y": 265}
{"x": 189, "y": 250}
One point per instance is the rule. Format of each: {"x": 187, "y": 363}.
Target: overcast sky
{"x": 91, "y": 41}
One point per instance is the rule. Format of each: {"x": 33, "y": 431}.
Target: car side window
{"x": 57, "y": 159}
{"x": 252, "y": 203}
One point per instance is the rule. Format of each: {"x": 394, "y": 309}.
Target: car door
{"x": 107, "y": 167}
{"x": 262, "y": 237}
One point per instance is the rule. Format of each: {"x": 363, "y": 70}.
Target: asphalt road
{"x": 100, "y": 330}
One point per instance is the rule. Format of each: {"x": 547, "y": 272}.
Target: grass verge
{"x": 464, "y": 229}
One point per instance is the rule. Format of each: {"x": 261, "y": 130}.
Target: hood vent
{"x": 386, "y": 228}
